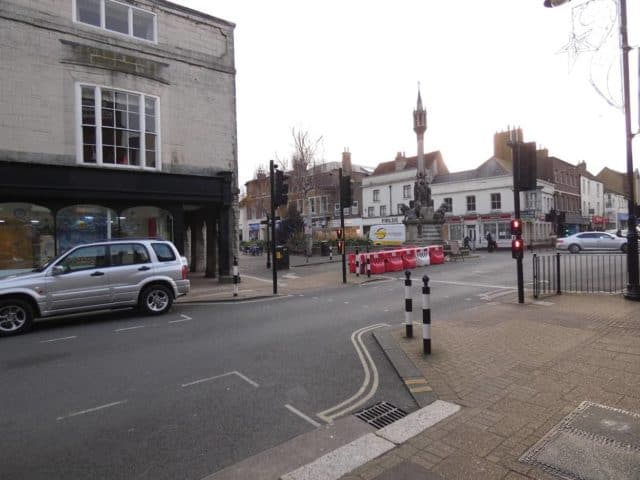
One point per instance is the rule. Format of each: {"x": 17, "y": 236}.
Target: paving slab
{"x": 418, "y": 421}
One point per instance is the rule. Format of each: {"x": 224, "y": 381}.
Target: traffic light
{"x": 345, "y": 192}
{"x": 281, "y": 196}
{"x": 517, "y": 248}
{"x": 516, "y": 227}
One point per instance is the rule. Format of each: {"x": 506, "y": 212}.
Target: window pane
{"x": 108, "y": 155}
{"x": 108, "y": 136}
{"x": 149, "y": 105}
{"x": 89, "y": 135}
{"x": 134, "y": 156}
{"x": 88, "y": 11}
{"x": 150, "y": 141}
{"x": 116, "y": 17}
{"x": 107, "y": 117}
{"x": 84, "y": 259}
{"x": 88, "y": 116}
{"x": 134, "y": 139}
{"x": 122, "y": 157}
{"x": 134, "y": 102}
{"x": 107, "y": 98}
{"x": 121, "y": 119}
{"x": 142, "y": 25}
{"x": 89, "y": 154}
{"x": 134, "y": 121}
{"x": 121, "y": 100}
{"x": 150, "y": 123}
{"x": 151, "y": 159}
{"x": 88, "y": 97}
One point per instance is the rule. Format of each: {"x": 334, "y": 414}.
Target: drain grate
{"x": 381, "y": 414}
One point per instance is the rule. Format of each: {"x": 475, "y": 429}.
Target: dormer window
{"x": 116, "y": 17}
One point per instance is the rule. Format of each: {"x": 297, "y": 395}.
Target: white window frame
{"x": 98, "y": 119}
{"x": 371, "y": 212}
{"x": 376, "y": 196}
{"x": 103, "y": 27}
{"x": 406, "y": 191}
{"x": 469, "y": 200}
{"x": 497, "y": 202}
{"x": 383, "y": 210}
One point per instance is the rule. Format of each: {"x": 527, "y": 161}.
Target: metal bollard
{"x": 368, "y": 265}
{"x": 426, "y": 316}
{"x": 357, "y": 263}
{"x": 236, "y": 276}
{"x": 408, "y": 306}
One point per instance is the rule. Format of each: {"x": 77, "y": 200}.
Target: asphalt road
{"x": 186, "y": 394}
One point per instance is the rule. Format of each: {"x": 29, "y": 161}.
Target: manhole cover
{"x": 381, "y": 414}
{"x": 592, "y": 442}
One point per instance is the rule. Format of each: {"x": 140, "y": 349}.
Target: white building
{"x": 481, "y": 201}
{"x": 591, "y": 198}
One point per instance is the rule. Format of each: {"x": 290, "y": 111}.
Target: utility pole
{"x": 268, "y": 242}
{"x": 344, "y": 244}
{"x": 273, "y": 225}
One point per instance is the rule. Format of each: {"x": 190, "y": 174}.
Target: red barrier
{"x": 409, "y": 261}
{"x": 377, "y": 265}
{"x": 436, "y": 254}
{"x": 393, "y": 264}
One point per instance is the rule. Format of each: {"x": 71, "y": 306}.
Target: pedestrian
{"x": 467, "y": 242}
{"x": 619, "y": 233}
{"x": 489, "y": 242}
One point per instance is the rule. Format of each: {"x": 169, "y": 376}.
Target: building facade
{"x": 118, "y": 119}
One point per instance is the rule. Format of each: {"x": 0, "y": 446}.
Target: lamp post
{"x": 633, "y": 284}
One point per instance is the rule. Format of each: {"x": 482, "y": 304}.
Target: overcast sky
{"x": 348, "y": 71}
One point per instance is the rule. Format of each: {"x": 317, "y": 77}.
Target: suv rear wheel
{"x": 16, "y": 316}
{"x": 156, "y": 299}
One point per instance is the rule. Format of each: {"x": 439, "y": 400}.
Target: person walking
{"x": 490, "y": 245}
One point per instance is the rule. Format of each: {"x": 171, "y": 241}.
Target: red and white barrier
{"x": 397, "y": 260}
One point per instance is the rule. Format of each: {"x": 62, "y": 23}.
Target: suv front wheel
{"x": 156, "y": 299}
{"x": 16, "y": 316}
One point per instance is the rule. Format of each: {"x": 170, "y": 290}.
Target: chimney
{"x": 346, "y": 162}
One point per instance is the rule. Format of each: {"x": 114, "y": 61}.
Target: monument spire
{"x": 420, "y": 126}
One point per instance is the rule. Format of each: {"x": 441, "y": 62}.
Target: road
{"x": 184, "y": 395}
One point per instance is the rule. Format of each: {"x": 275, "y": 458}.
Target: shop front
{"x": 47, "y": 209}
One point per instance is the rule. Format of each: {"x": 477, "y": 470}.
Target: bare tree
{"x": 303, "y": 175}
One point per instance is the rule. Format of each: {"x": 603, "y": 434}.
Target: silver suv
{"x": 146, "y": 273}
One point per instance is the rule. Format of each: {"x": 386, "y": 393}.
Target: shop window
{"x": 85, "y": 224}
{"x": 143, "y": 222}
{"x": 117, "y": 128}
{"x": 26, "y": 237}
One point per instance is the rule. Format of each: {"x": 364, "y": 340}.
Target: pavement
{"x": 540, "y": 390}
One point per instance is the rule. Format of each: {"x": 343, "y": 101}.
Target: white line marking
{"x": 468, "y": 284}
{"x": 301, "y": 415}
{"x": 354, "y": 401}
{"x": 258, "y": 278}
{"x": 238, "y": 302}
{"x": 183, "y": 319}
{"x": 58, "y": 339}
{"x": 128, "y": 328}
{"x": 202, "y": 380}
{"x": 95, "y": 409}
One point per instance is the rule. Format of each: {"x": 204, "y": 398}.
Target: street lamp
{"x": 633, "y": 285}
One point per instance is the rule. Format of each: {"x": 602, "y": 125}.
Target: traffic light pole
{"x": 273, "y": 226}
{"x": 515, "y": 148}
{"x": 344, "y": 245}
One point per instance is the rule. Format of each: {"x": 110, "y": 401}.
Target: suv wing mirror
{"x": 57, "y": 270}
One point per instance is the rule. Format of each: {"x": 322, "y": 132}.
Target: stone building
{"x": 117, "y": 119}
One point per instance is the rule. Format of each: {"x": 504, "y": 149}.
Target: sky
{"x": 347, "y": 73}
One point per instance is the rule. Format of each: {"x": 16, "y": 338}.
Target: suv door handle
{"x": 97, "y": 274}
{"x": 144, "y": 268}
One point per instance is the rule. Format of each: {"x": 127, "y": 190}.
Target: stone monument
{"x": 423, "y": 226}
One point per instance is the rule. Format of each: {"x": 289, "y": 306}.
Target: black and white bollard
{"x": 357, "y": 263}
{"x": 368, "y": 265}
{"x": 426, "y": 316}
{"x": 408, "y": 306}
{"x": 236, "y": 276}
{"x": 330, "y": 253}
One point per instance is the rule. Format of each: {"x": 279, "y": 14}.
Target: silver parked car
{"x": 591, "y": 241}
{"x": 146, "y": 273}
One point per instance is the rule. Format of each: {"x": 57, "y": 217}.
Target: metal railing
{"x": 581, "y": 273}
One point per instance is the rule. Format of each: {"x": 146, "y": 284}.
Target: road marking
{"x": 365, "y": 359}
{"x": 238, "y": 302}
{"x": 469, "y": 284}
{"x": 58, "y": 339}
{"x": 128, "y": 328}
{"x": 90, "y": 410}
{"x": 202, "y": 380}
{"x": 301, "y": 415}
{"x": 183, "y": 319}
